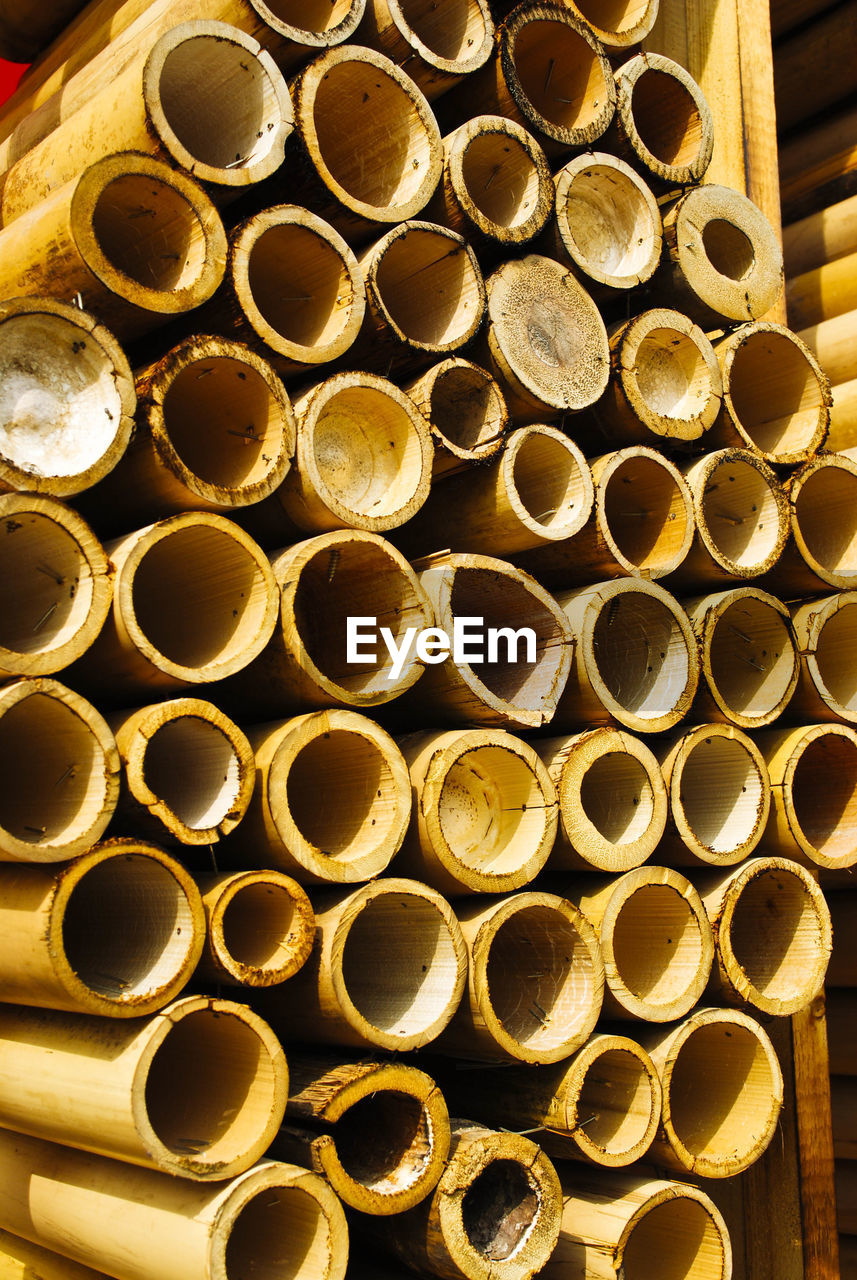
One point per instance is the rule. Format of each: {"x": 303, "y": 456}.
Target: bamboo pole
{"x": 89, "y": 243}
{"x": 60, "y": 773}
{"x": 26, "y": 28}
{"x": 513, "y": 688}
{"x": 825, "y": 635}
{"x": 820, "y": 237}
{"x": 772, "y": 935}
{"x": 484, "y": 814}
{"x": 332, "y": 799}
{"x": 832, "y": 344}
{"x": 188, "y": 772}
{"x": 260, "y": 928}
{"x": 378, "y": 1131}
{"x": 823, "y": 292}
{"x": 22, "y": 1260}
{"x": 623, "y": 26}
{"x": 612, "y": 800}
{"x": 65, "y": 416}
{"x": 663, "y": 123}
{"x": 723, "y": 1093}
{"x": 117, "y": 932}
{"x": 655, "y": 939}
{"x": 843, "y": 416}
{"x": 719, "y": 796}
{"x": 465, "y": 410}
{"x": 438, "y": 48}
{"x": 535, "y": 980}
{"x": 822, "y": 550}
{"x": 198, "y": 1090}
{"x": 813, "y": 70}
{"x": 343, "y": 996}
{"x": 814, "y": 794}
{"x": 641, "y": 525}
{"x": 139, "y": 1224}
{"x": 635, "y": 657}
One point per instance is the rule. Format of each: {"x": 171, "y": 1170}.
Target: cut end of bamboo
{"x": 261, "y": 928}
{"x": 644, "y": 511}
{"x": 624, "y": 24}
{"x": 499, "y": 178}
{"x": 824, "y": 520}
{"x": 819, "y": 794}
{"x": 455, "y": 42}
{"x": 613, "y": 1102}
{"x": 826, "y": 634}
{"x": 465, "y": 410}
{"x": 664, "y": 119}
{"x": 741, "y": 512}
{"x": 607, "y": 221}
{"x": 678, "y": 1231}
{"x": 547, "y": 482}
{"x": 317, "y": 24}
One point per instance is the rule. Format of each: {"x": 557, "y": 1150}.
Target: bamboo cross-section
{"x": 825, "y": 632}
{"x": 625, "y": 24}
{"x": 260, "y": 928}
{"x": 662, "y": 123}
{"x": 465, "y": 410}
{"x": 813, "y": 772}
{"x": 439, "y": 44}
{"x": 821, "y": 552}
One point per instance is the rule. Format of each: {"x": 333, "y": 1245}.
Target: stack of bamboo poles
{"x": 412, "y": 315}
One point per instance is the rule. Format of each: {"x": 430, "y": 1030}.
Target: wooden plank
{"x": 815, "y": 1143}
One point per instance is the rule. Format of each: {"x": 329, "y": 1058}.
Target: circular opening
{"x": 149, "y": 231}
{"x": 657, "y": 945}
{"x": 560, "y": 74}
{"x": 256, "y": 925}
{"x": 193, "y": 768}
{"x": 616, "y": 16}
{"x": 834, "y": 656}
{"x": 45, "y": 583}
{"x": 417, "y": 981}
{"x": 675, "y": 1240}
{"x": 53, "y": 774}
{"x": 282, "y": 1231}
{"x": 671, "y": 375}
{"x": 721, "y": 794}
{"x": 776, "y": 936}
{"x": 548, "y": 480}
{"x": 299, "y": 280}
{"x": 540, "y": 978}
{"x": 642, "y": 655}
{"x": 741, "y": 514}
{"x": 313, "y": 16}
{"x": 60, "y": 409}
{"x": 492, "y": 811}
{"x": 610, "y": 223}
{"x": 615, "y": 1102}
{"x": 728, "y": 249}
{"x": 128, "y": 928}
{"x": 824, "y": 795}
{"x": 499, "y": 1208}
{"x": 776, "y": 394}
{"x": 501, "y": 178}
{"x": 371, "y": 136}
{"x": 429, "y": 286}
{"x": 466, "y": 407}
{"x": 826, "y": 516}
{"x": 646, "y": 514}
{"x": 383, "y": 1141}
{"x": 752, "y": 658}
{"x": 617, "y": 797}
{"x": 210, "y": 1088}
{"x": 452, "y": 31}
{"x": 666, "y": 118}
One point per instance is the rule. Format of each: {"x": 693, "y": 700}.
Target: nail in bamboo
{"x": 663, "y": 123}
{"x": 438, "y": 45}
{"x": 822, "y": 550}
{"x": 825, "y": 633}
{"x": 814, "y": 794}
{"x": 465, "y": 410}
{"x": 260, "y": 928}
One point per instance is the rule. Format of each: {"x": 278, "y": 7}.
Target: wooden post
{"x": 260, "y": 928}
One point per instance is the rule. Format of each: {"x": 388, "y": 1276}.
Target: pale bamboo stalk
{"x": 55, "y": 583}
{"x": 823, "y": 292}
{"x": 332, "y": 799}
{"x": 723, "y": 1093}
{"x": 822, "y": 550}
{"x": 90, "y": 243}
{"x": 465, "y": 410}
{"x": 60, "y": 773}
{"x": 172, "y": 623}
{"x": 484, "y": 814}
{"x": 21, "y": 1260}
{"x": 642, "y": 524}
{"x": 842, "y": 1030}
{"x": 117, "y": 932}
{"x": 720, "y": 796}
{"x": 377, "y": 1131}
{"x": 813, "y": 773}
{"x": 772, "y": 935}
{"x": 776, "y": 399}
{"x": 635, "y": 657}
{"x": 821, "y": 237}
{"x": 663, "y": 123}
{"x": 140, "y": 1224}
{"x": 188, "y": 772}
{"x": 65, "y": 417}
{"x": 825, "y": 632}
{"x": 343, "y": 995}
{"x": 655, "y": 939}
{"x": 538, "y": 493}
{"x": 260, "y": 928}
{"x": 843, "y": 416}
{"x": 612, "y": 800}
{"x": 198, "y": 1090}
{"x": 509, "y": 691}
{"x": 27, "y": 28}
{"x": 832, "y": 344}
{"x": 205, "y": 97}
{"x": 438, "y": 48}
{"x": 535, "y": 980}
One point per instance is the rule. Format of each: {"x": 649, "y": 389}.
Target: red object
{"x": 10, "y": 74}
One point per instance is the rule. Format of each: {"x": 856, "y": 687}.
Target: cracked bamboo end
{"x": 825, "y": 634}
{"x": 644, "y": 511}
{"x": 437, "y": 46}
{"x": 814, "y": 779}
{"x": 607, "y": 220}
{"x": 465, "y": 410}
{"x": 823, "y": 498}
{"x": 261, "y": 928}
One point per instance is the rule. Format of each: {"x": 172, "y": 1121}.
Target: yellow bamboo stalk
{"x": 822, "y": 550}
{"x": 438, "y": 49}
{"x": 813, "y": 772}
{"x": 821, "y": 237}
{"x": 825, "y": 635}
{"x": 260, "y": 928}
{"x": 832, "y": 343}
{"x": 843, "y": 416}
{"x": 22, "y": 1260}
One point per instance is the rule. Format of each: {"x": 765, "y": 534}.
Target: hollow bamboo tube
{"x": 343, "y": 996}
{"x": 21, "y": 1260}
{"x": 612, "y": 799}
{"x": 496, "y": 187}
{"x": 623, "y": 25}
{"x": 817, "y": 165}
{"x": 26, "y": 28}
{"x": 832, "y": 344}
{"x": 607, "y": 226}
{"x": 719, "y": 793}
{"x": 843, "y": 416}
{"x": 842, "y": 1030}
{"x": 823, "y": 292}
{"x": 821, "y": 237}
{"x": 363, "y": 459}
{"x": 140, "y": 1224}
{"x": 188, "y": 772}
{"x": 260, "y": 928}
{"x": 206, "y": 97}
{"x": 465, "y": 410}
{"x": 722, "y": 258}
{"x": 642, "y": 524}
{"x": 723, "y": 1093}
{"x": 663, "y": 123}
{"x": 813, "y": 773}
{"x": 494, "y": 1214}
{"x": 88, "y": 242}
{"x": 332, "y": 800}
{"x": 635, "y": 657}
{"x": 117, "y": 932}
{"x": 512, "y": 689}
{"x": 55, "y": 583}
{"x": 538, "y": 493}
{"x": 825, "y": 632}
{"x": 822, "y": 550}
{"x": 67, "y": 398}
{"x": 378, "y": 1131}
{"x": 655, "y": 939}
{"x": 198, "y": 1090}
{"x": 438, "y": 49}
{"x": 60, "y": 773}
{"x": 772, "y": 935}
{"x": 639, "y": 1229}
{"x": 545, "y": 340}
{"x": 535, "y": 980}
{"x": 171, "y": 625}
{"x": 813, "y": 70}
{"x": 742, "y": 519}
{"x": 371, "y": 146}
{"x": 484, "y": 814}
